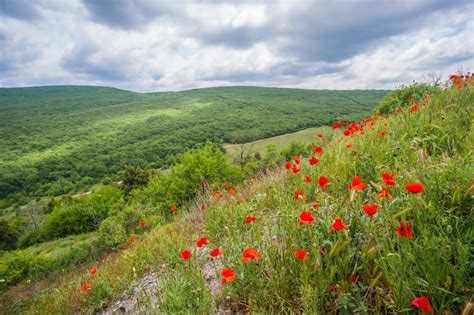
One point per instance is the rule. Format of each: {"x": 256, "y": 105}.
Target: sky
{"x": 145, "y": 45}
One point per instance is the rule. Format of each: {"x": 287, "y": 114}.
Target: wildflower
{"x": 296, "y": 170}
{"x": 313, "y": 161}
{"x": 318, "y": 150}
{"x": 320, "y": 135}
{"x": 348, "y": 145}
{"x": 384, "y": 192}
{"x": 131, "y": 238}
{"x": 307, "y": 179}
{"x": 414, "y": 108}
{"x": 250, "y": 218}
{"x": 86, "y": 287}
{"x": 203, "y": 206}
{"x": 215, "y": 252}
{"x": 354, "y": 277}
{"x": 185, "y": 254}
{"x": 370, "y": 209}
{"x": 423, "y": 304}
{"x": 323, "y": 181}
{"x": 300, "y": 254}
{"x": 357, "y": 183}
{"x": 299, "y": 195}
{"x": 415, "y": 188}
{"x": 93, "y": 270}
{"x": 289, "y": 165}
{"x": 173, "y": 208}
{"x": 404, "y": 230}
{"x": 228, "y": 275}
{"x": 142, "y": 224}
{"x": 315, "y": 204}
{"x": 202, "y": 241}
{"x": 381, "y": 133}
{"x": 306, "y": 217}
{"x": 297, "y": 159}
{"x": 249, "y": 254}
{"x": 337, "y": 226}
{"x": 388, "y": 179}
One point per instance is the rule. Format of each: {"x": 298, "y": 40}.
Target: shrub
{"x": 111, "y": 233}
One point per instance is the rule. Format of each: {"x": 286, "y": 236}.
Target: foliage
{"x": 405, "y": 95}
{"x": 8, "y": 236}
{"x": 111, "y": 233}
{"x": 64, "y": 139}
{"x": 134, "y": 177}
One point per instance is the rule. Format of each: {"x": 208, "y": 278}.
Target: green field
{"x": 63, "y": 139}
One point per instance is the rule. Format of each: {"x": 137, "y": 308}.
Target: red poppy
{"x": 93, "y": 270}
{"x": 423, "y": 304}
{"x": 381, "y": 133}
{"x": 131, "y": 238}
{"x": 299, "y": 194}
{"x": 323, "y": 181}
{"x": 173, "y": 208}
{"x": 297, "y": 159}
{"x": 404, "y": 230}
{"x": 217, "y": 194}
{"x": 385, "y": 192}
{"x": 249, "y": 254}
{"x": 354, "y": 277}
{"x": 370, "y": 209}
{"x": 300, "y": 254}
{"x": 250, "y": 218}
{"x": 86, "y": 287}
{"x": 307, "y": 179}
{"x": 415, "y": 188}
{"x": 320, "y": 135}
{"x": 315, "y": 204}
{"x": 318, "y": 150}
{"x": 414, "y": 108}
{"x": 203, "y": 206}
{"x": 348, "y": 145}
{"x": 228, "y": 275}
{"x": 231, "y": 190}
{"x": 296, "y": 170}
{"x": 388, "y": 179}
{"x": 306, "y": 217}
{"x": 215, "y": 252}
{"x": 289, "y": 165}
{"x": 313, "y": 160}
{"x": 357, "y": 183}
{"x": 202, "y": 241}
{"x": 185, "y": 254}
{"x": 142, "y": 224}
{"x": 337, "y": 226}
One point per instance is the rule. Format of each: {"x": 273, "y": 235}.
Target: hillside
{"x": 374, "y": 218}
{"x": 62, "y": 139}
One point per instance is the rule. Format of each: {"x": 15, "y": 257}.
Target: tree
{"x": 134, "y": 177}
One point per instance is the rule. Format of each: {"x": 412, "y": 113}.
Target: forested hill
{"x": 61, "y": 139}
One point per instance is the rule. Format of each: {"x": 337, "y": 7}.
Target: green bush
{"x": 400, "y": 97}
{"x": 14, "y": 267}
{"x": 111, "y": 233}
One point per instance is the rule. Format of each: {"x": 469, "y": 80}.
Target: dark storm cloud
{"x": 20, "y": 9}
{"x": 124, "y": 14}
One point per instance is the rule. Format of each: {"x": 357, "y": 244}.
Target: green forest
{"x": 65, "y": 139}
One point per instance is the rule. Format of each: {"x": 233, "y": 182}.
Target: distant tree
{"x": 8, "y": 236}
{"x": 134, "y": 177}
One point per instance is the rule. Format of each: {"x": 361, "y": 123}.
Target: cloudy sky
{"x": 145, "y": 45}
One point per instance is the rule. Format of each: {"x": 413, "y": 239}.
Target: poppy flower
{"x": 337, "y": 226}
{"x": 357, "y": 183}
{"x": 348, "y": 145}
{"x": 86, "y": 287}
{"x": 202, "y": 241}
{"x": 296, "y": 170}
{"x": 250, "y": 218}
{"x": 384, "y": 192}
{"x": 414, "y": 108}
{"x": 370, "y": 209}
{"x": 423, "y": 304}
{"x": 388, "y": 179}
{"x": 203, "y": 206}
{"x": 299, "y": 195}
{"x": 215, "y": 252}
{"x": 313, "y": 160}
{"x": 318, "y": 150}
{"x": 354, "y": 277}
{"x": 415, "y": 188}
{"x": 173, "y": 208}
{"x": 323, "y": 181}
{"x": 93, "y": 270}
{"x": 381, "y": 133}
{"x": 306, "y": 217}
{"x": 217, "y": 194}
{"x": 289, "y": 165}
{"x": 300, "y": 254}
{"x": 142, "y": 224}
{"x": 315, "y": 204}
{"x": 231, "y": 190}
{"x": 131, "y": 238}
{"x": 185, "y": 254}
{"x": 228, "y": 275}
{"x": 307, "y": 179}
{"x": 249, "y": 254}
{"x": 297, "y": 159}
{"x": 404, "y": 230}
{"x": 320, "y": 135}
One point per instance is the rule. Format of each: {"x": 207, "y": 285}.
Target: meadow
{"x": 65, "y": 139}
{"x": 370, "y": 217}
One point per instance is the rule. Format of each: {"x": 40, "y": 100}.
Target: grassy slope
{"x": 62, "y": 139}
{"x": 431, "y": 146}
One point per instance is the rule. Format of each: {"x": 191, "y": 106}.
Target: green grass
{"x": 64, "y": 139}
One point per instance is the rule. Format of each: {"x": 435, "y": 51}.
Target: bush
{"x": 14, "y": 267}
{"x": 400, "y": 97}
{"x": 111, "y": 233}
